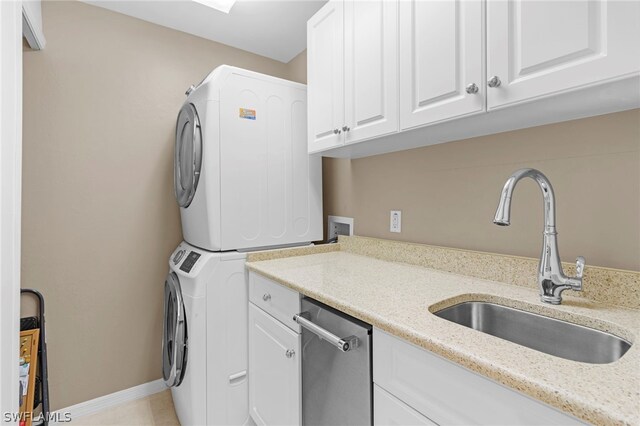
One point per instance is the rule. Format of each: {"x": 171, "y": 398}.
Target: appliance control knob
{"x": 178, "y": 257}
{"x": 266, "y": 297}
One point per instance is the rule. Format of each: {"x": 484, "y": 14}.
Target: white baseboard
{"x": 108, "y": 401}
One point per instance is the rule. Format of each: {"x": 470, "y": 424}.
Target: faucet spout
{"x": 503, "y": 213}
{"x": 551, "y": 278}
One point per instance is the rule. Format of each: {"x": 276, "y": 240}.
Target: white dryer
{"x": 243, "y": 177}
{"x": 204, "y": 345}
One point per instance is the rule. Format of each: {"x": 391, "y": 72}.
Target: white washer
{"x": 242, "y": 174}
{"x": 204, "y": 346}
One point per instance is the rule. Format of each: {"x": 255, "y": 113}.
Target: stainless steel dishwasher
{"x": 337, "y": 385}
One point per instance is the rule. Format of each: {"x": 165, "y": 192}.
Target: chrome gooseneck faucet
{"x": 551, "y": 279}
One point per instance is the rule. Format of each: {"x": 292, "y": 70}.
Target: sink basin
{"x": 554, "y": 337}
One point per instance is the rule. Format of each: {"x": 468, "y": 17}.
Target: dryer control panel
{"x": 191, "y": 260}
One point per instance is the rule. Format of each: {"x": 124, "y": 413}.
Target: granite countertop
{"x": 399, "y": 298}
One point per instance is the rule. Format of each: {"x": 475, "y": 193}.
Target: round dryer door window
{"x": 174, "y": 333}
{"x": 188, "y": 155}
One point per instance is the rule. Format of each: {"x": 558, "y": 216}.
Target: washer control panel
{"x": 191, "y": 260}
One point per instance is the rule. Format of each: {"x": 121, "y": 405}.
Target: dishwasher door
{"x": 337, "y": 386}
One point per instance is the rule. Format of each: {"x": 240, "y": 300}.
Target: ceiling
{"x": 272, "y": 28}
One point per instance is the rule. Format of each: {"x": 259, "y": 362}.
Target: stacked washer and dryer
{"x": 244, "y": 181}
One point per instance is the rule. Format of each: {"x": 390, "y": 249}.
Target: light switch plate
{"x": 395, "y": 221}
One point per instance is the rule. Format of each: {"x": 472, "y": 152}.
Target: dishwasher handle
{"x": 344, "y": 344}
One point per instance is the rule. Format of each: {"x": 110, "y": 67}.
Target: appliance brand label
{"x": 249, "y": 114}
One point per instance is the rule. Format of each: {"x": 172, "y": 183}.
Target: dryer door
{"x": 188, "y": 155}
{"x": 174, "y": 336}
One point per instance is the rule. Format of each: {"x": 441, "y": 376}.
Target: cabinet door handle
{"x": 289, "y": 353}
{"x": 494, "y": 81}
{"x": 337, "y": 131}
{"x": 345, "y": 128}
{"x": 472, "y": 89}
{"x": 266, "y": 297}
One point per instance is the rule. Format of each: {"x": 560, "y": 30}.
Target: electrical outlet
{"x": 338, "y": 225}
{"x": 395, "y": 221}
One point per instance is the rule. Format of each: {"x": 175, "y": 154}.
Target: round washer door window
{"x": 174, "y": 333}
{"x": 188, "y": 155}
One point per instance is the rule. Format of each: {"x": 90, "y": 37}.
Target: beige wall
{"x": 448, "y": 193}
{"x": 99, "y": 216}
{"x": 297, "y": 68}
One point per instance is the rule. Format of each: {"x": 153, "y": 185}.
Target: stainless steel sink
{"x": 554, "y": 337}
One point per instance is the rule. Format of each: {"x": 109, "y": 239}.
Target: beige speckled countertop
{"x": 397, "y": 297}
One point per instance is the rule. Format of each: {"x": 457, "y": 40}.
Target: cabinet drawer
{"x": 389, "y": 410}
{"x": 449, "y": 394}
{"x": 275, "y": 299}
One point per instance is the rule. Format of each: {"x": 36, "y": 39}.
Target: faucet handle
{"x": 580, "y": 266}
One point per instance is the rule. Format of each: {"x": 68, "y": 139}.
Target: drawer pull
{"x": 266, "y": 297}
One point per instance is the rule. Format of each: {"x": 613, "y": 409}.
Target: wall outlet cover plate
{"x": 395, "y": 221}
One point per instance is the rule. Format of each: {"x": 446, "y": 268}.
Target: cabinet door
{"x": 441, "y": 53}
{"x": 389, "y": 410}
{"x": 325, "y": 77}
{"x": 274, "y": 371}
{"x": 449, "y": 394}
{"x": 371, "y": 68}
{"x": 539, "y": 48}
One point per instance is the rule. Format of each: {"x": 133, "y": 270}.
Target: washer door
{"x": 188, "y": 155}
{"x": 174, "y": 335}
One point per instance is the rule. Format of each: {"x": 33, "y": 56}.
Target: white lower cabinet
{"x": 389, "y": 410}
{"x": 412, "y": 386}
{"x": 274, "y": 371}
{"x": 447, "y": 393}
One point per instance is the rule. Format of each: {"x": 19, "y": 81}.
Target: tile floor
{"x": 154, "y": 410}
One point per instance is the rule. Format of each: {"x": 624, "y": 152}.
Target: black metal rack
{"x": 29, "y": 323}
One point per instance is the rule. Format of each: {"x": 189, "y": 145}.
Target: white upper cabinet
{"x": 352, "y": 72}
{"x": 456, "y": 69}
{"x": 371, "y": 69}
{"x": 541, "y": 48}
{"x": 441, "y": 60}
{"x": 325, "y": 77}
